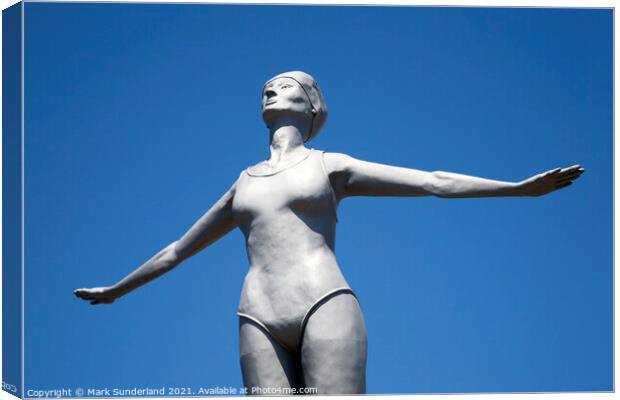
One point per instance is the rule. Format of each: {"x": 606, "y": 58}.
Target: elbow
{"x": 172, "y": 256}
{"x": 438, "y": 184}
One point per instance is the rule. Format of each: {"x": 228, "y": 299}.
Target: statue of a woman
{"x": 300, "y": 324}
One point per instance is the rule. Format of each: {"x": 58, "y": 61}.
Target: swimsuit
{"x": 288, "y": 218}
{"x": 291, "y": 339}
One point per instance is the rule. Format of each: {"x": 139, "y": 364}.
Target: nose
{"x": 270, "y": 93}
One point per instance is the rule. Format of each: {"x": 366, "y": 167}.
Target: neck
{"x": 286, "y": 140}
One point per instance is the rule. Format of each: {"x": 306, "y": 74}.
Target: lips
{"x": 270, "y": 102}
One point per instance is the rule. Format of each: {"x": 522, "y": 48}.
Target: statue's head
{"x": 295, "y": 94}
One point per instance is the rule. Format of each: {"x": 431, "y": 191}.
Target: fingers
{"x": 575, "y": 167}
{"x": 559, "y": 178}
{"x": 563, "y": 185}
{"x": 576, "y": 170}
{"x": 572, "y": 170}
{"x": 569, "y": 178}
{"x": 564, "y": 175}
{"x": 102, "y": 301}
{"x": 570, "y": 173}
{"x": 84, "y": 294}
{"x": 92, "y": 295}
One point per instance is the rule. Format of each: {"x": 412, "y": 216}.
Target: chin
{"x": 273, "y": 111}
{"x": 270, "y": 115}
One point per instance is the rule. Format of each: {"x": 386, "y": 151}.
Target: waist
{"x": 280, "y": 251}
{"x": 280, "y": 292}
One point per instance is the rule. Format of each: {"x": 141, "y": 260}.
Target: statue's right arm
{"x": 214, "y": 224}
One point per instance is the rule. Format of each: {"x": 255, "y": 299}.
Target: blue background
{"x": 138, "y": 117}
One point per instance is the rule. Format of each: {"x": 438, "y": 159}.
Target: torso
{"x": 288, "y": 219}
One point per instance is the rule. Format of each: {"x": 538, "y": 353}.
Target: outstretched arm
{"x": 352, "y": 177}
{"x": 217, "y": 222}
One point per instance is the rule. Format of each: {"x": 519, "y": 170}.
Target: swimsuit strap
{"x": 256, "y": 321}
{"x": 322, "y": 300}
{"x": 247, "y": 170}
{"x": 329, "y": 183}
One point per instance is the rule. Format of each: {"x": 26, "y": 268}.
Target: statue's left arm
{"x": 352, "y": 177}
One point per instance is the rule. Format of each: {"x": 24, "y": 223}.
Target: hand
{"x": 104, "y": 295}
{"x": 549, "y": 181}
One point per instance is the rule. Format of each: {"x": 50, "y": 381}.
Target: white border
{"x": 436, "y": 3}
{"x": 456, "y": 3}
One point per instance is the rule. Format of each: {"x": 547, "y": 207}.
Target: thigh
{"x": 334, "y": 347}
{"x": 265, "y": 364}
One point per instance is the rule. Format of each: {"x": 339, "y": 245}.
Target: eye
{"x": 286, "y": 86}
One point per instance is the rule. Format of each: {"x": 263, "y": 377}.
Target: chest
{"x": 301, "y": 189}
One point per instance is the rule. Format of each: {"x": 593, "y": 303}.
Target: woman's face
{"x": 284, "y": 96}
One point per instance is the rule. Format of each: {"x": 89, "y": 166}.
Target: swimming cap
{"x": 311, "y": 87}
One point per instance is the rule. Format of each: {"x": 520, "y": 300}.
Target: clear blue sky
{"x": 138, "y": 117}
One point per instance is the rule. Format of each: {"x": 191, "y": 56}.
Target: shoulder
{"x": 254, "y": 169}
{"x": 337, "y": 162}
{"x": 233, "y": 187}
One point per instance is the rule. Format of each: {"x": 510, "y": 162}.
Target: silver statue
{"x": 300, "y": 324}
